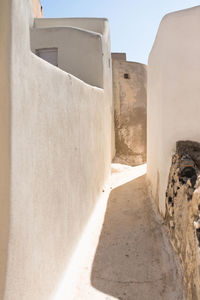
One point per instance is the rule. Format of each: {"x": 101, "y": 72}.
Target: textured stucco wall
{"x": 173, "y": 104}
{"x": 36, "y": 9}
{"x": 60, "y": 139}
{"x": 129, "y": 96}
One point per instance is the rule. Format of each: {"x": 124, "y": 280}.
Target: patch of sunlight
{"x": 75, "y": 283}
{"x": 122, "y": 174}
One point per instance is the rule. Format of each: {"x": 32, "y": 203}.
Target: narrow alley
{"x": 132, "y": 258}
{"x": 100, "y": 156}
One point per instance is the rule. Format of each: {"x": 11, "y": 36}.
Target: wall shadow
{"x": 131, "y": 260}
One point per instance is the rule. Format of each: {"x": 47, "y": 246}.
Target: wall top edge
{"x": 69, "y": 28}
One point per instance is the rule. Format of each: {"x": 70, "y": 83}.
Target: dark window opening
{"x": 48, "y": 54}
{"x": 126, "y": 76}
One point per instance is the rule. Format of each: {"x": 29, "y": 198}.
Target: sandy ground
{"x": 129, "y": 257}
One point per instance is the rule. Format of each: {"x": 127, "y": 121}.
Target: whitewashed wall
{"x": 57, "y": 138}
{"x": 173, "y": 103}
{"x": 80, "y": 52}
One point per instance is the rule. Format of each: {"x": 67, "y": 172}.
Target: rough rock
{"x": 183, "y": 212}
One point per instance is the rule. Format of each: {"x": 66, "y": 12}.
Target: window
{"x": 48, "y": 54}
{"x": 126, "y": 76}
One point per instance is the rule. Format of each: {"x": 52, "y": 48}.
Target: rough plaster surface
{"x": 119, "y": 56}
{"x": 53, "y": 132}
{"x": 129, "y": 96}
{"x": 183, "y": 212}
{"x": 132, "y": 259}
{"x": 173, "y": 94}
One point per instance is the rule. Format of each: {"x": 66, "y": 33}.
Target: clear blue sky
{"x": 133, "y": 23}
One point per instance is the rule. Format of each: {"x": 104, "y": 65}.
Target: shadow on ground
{"x": 134, "y": 259}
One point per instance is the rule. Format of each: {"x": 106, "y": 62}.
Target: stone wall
{"x": 183, "y": 212}
{"x": 129, "y": 96}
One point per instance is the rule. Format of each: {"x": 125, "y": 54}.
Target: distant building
{"x": 130, "y": 100}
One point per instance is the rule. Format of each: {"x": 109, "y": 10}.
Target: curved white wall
{"x": 80, "y": 52}
{"x": 97, "y": 25}
{"x": 57, "y": 135}
{"x": 84, "y": 50}
{"x": 173, "y": 103}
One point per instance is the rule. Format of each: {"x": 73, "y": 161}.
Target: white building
{"x": 55, "y": 143}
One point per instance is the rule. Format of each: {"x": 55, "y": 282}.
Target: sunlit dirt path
{"x": 132, "y": 259}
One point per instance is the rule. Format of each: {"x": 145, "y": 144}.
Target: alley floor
{"x": 131, "y": 257}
